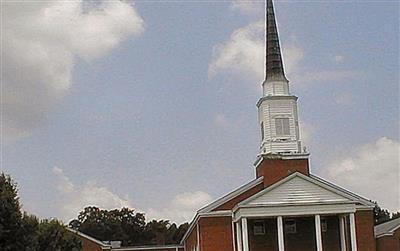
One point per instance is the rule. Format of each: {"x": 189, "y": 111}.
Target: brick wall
{"x": 274, "y": 170}
{"x": 365, "y": 231}
{"x": 88, "y": 245}
{"x": 216, "y": 234}
{"x": 391, "y": 243}
{"x": 233, "y": 202}
{"x": 191, "y": 240}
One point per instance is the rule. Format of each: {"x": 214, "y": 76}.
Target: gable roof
{"x": 387, "y": 228}
{"x": 298, "y": 188}
{"x": 205, "y": 211}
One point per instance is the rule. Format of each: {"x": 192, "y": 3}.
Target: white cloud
{"x": 40, "y": 42}
{"x": 243, "y": 53}
{"x": 74, "y": 198}
{"x": 182, "y": 208}
{"x": 371, "y": 170}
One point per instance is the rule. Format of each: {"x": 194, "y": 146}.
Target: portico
{"x": 298, "y": 214}
{"x": 292, "y": 233}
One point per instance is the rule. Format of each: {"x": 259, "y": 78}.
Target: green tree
{"x": 29, "y": 232}
{"x": 157, "y": 232}
{"x": 10, "y": 214}
{"x": 381, "y": 215}
{"x": 53, "y": 236}
{"x": 395, "y": 215}
{"x": 180, "y": 232}
{"x": 163, "y": 232}
{"x": 23, "y": 232}
{"x": 127, "y": 226}
{"x": 123, "y": 225}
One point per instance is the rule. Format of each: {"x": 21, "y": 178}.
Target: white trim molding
{"x": 292, "y": 210}
{"x": 346, "y": 195}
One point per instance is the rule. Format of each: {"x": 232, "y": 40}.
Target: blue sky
{"x": 152, "y": 104}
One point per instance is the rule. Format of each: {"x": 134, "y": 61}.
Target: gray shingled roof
{"x": 387, "y": 228}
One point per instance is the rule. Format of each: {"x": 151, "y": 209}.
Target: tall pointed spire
{"x": 273, "y": 61}
{"x": 277, "y": 108}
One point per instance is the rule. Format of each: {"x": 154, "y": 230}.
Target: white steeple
{"x": 277, "y": 109}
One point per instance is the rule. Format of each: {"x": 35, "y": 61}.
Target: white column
{"x": 353, "y": 232}
{"x": 281, "y": 241}
{"x": 239, "y": 237}
{"x": 245, "y": 234}
{"x": 342, "y": 230}
{"x": 318, "y": 233}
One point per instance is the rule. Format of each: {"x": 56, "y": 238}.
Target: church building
{"x": 285, "y": 208}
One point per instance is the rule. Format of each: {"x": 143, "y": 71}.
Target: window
{"x": 262, "y": 130}
{"x": 259, "y": 228}
{"x": 282, "y": 126}
{"x": 290, "y": 226}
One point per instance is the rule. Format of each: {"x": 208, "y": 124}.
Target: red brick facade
{"x": 216, "y": 234}
{"x": 365, "y": 231}
{"x": 274, "y": 170}
{"x": 88, "y": 245}
{"x": 191, "y": 241}
{"x": 391, "y": 243}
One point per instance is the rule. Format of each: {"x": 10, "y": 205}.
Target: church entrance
{"x": 299, "y": 234}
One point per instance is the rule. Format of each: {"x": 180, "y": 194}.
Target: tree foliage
{"x": 127, "y": 226}
{"x": 10, "y": 213}
{"x": 124, "y": 225}
{"x": 52, "y": 235}
{"x": 396, "y": 215}
{"x": 22, "y": 232}
{"x": 383, "y": 215}
{"x": 163, "y": 232}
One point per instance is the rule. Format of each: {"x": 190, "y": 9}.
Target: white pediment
{"x": 299, "y": 189}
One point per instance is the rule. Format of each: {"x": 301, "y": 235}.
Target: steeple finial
{"x": 273, "y": 58}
